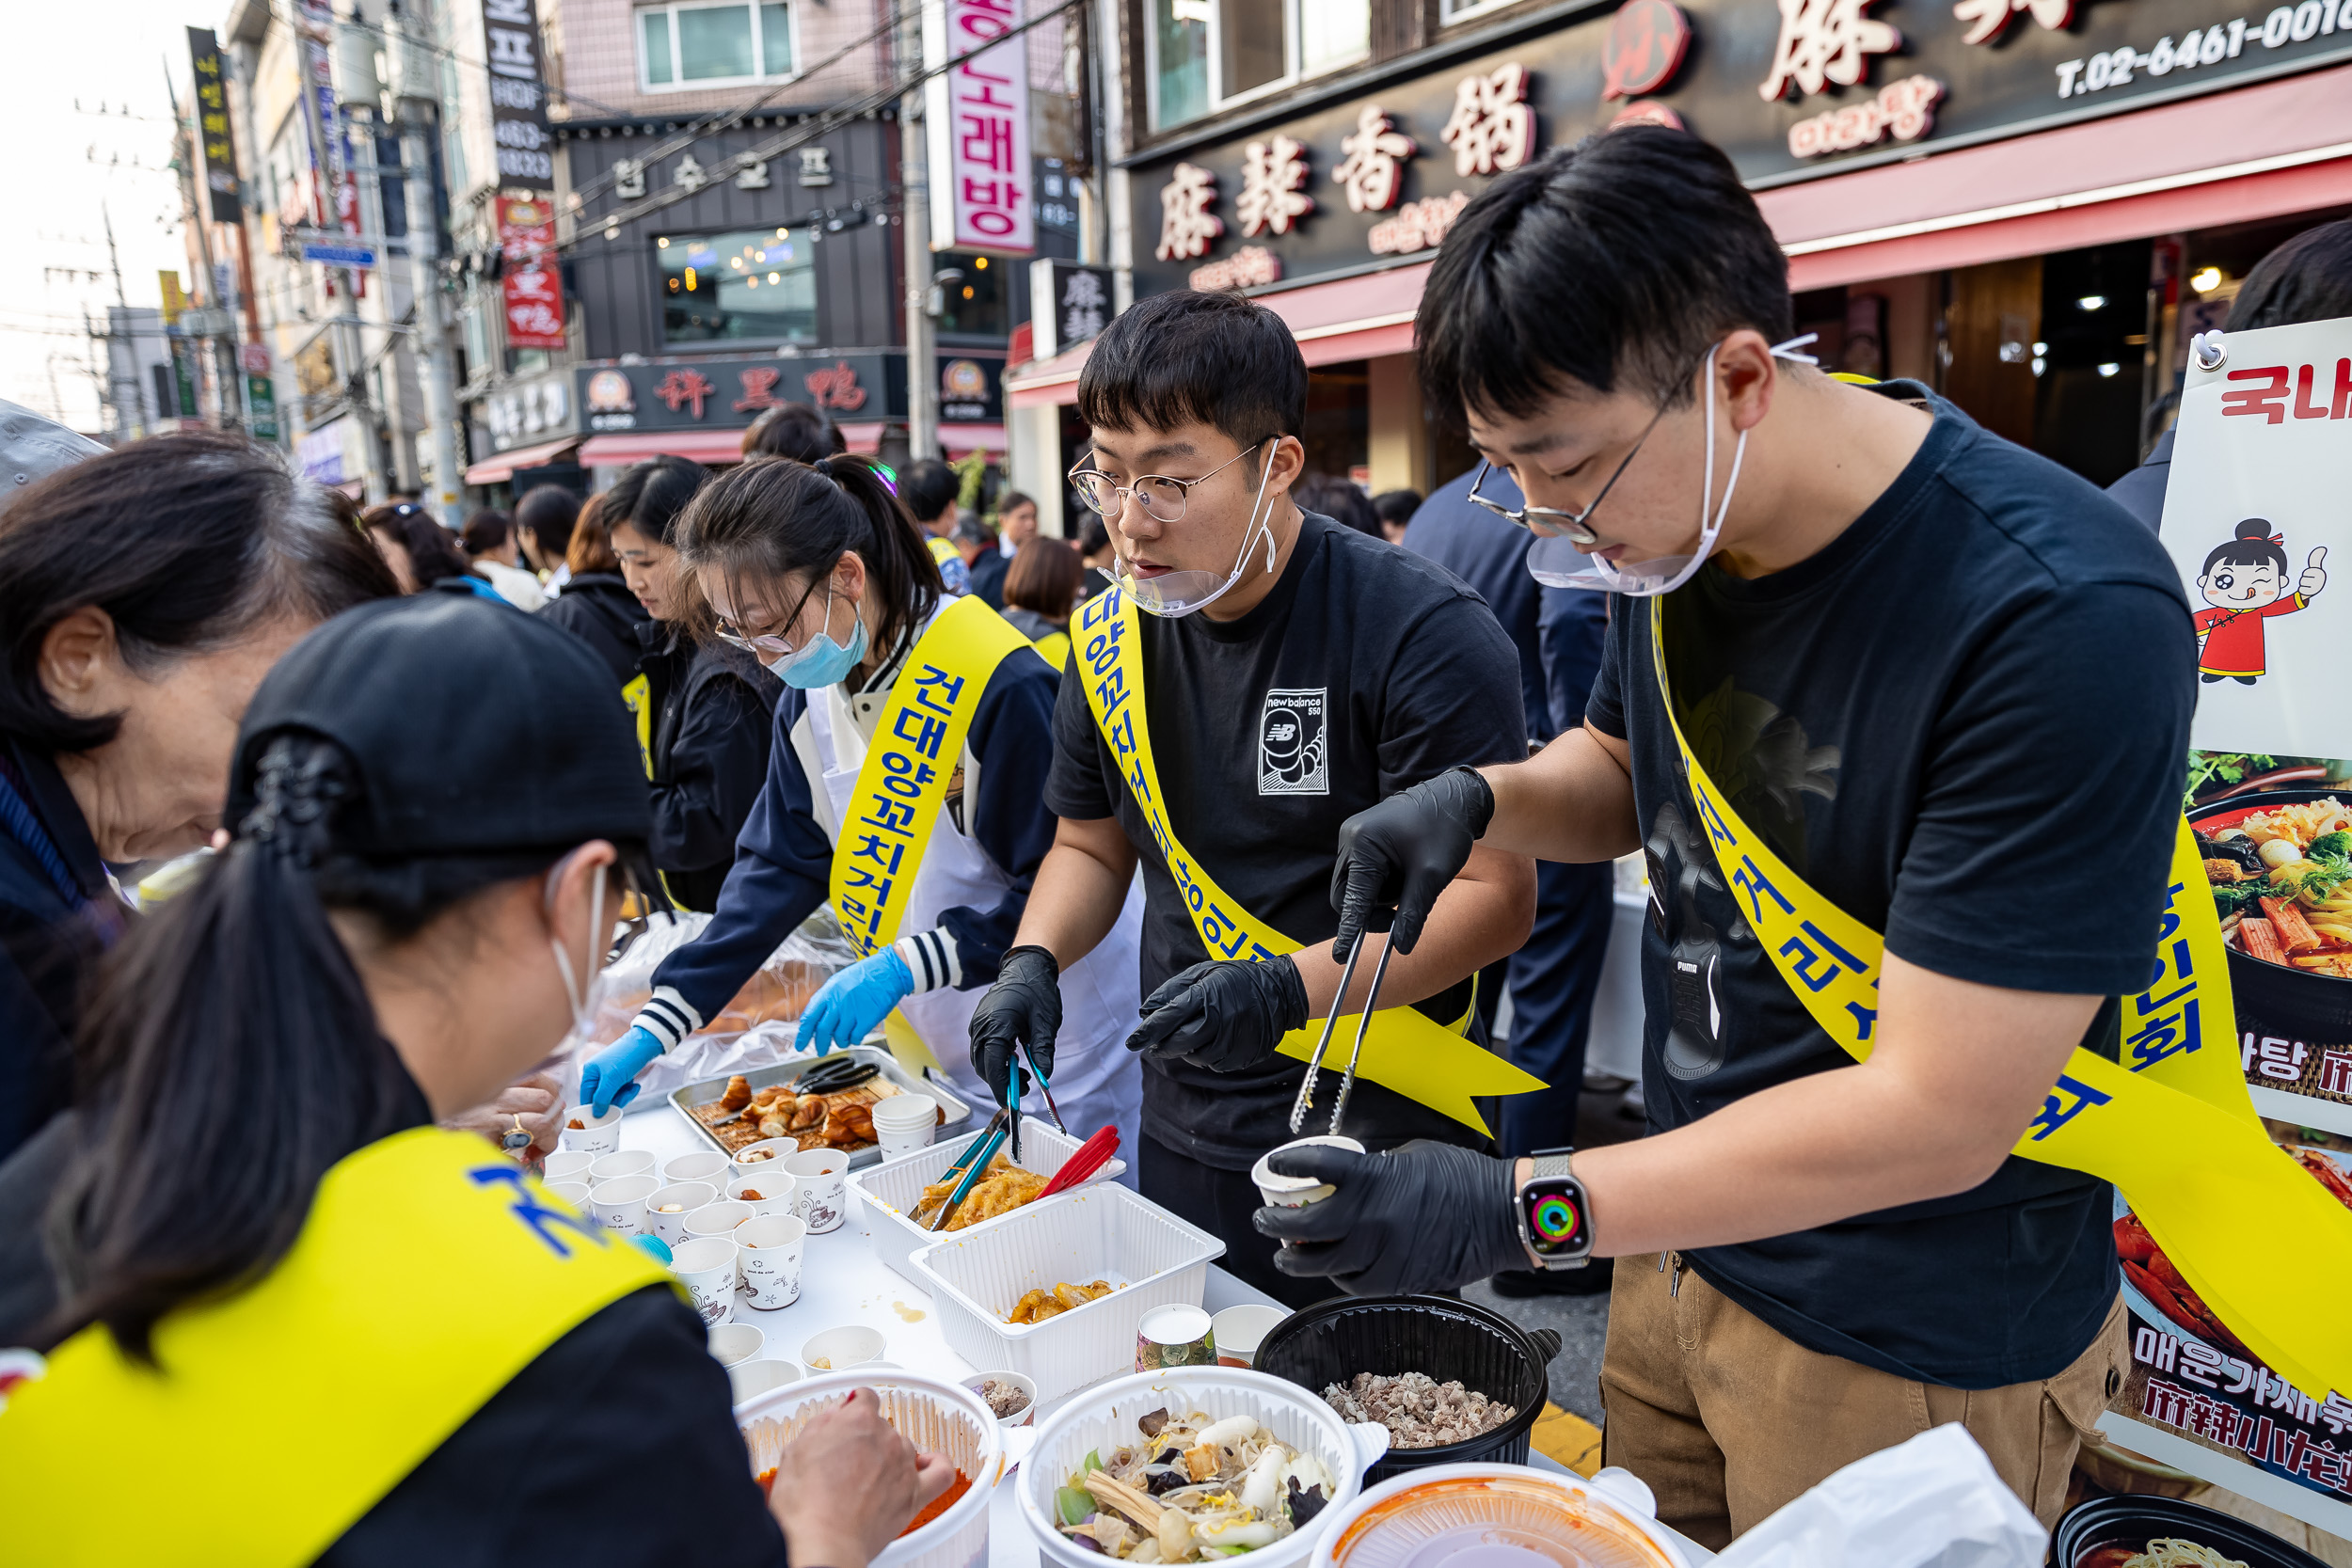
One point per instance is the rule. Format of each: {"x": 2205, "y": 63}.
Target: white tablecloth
{"x": 842, "y": 1282}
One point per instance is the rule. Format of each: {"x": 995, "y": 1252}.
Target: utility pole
{"x": 915, "y": 218}
{"x": 436, "y": 368}
{"x": 131, "y": 414}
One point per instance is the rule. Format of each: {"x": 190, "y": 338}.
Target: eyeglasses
{"x": 767, "y": 643}
{"x": 1160, "y": 496}
{"x": 1552, "y": 516}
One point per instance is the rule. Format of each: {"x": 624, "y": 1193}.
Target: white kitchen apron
{"x": 1097, "y": 1081}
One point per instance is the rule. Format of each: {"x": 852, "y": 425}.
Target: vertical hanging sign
{"x": 218, "y": 151}
{"x": 979, "y": 111}
{"x": 532, "y": 282}
{"x": 519, "y": 102}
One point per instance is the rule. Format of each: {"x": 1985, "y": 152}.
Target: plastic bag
{"x": 1933, "y": 1502}
{"x": 755, "y": 1029}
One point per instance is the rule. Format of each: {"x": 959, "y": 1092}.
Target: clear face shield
{"x": 1174, "y": 595}
{"x": 1558, "y": 560}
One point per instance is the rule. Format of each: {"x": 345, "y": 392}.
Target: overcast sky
{"x": 110, "y": 52}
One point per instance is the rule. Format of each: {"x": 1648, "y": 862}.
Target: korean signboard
{"x": 978, "y": 118}
{"x": 529, "y": 413}
{"x": 1789, "y": 91}
{"x": 532, "y": 282}
{"x": 853, "y": 386}
{"x": 216, "y": 149}
{"x": 519, "y": 109}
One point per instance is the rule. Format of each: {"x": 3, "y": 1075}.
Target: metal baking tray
{"x": 958, "y": 1113}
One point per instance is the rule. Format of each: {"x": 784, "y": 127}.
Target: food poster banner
{"x": 2254, "y": 514}
{"x": 2198, "y": 1400}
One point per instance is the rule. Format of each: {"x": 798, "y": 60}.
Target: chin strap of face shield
{"x": 1166, "y": 596}
{"x": 1668, "y": 572}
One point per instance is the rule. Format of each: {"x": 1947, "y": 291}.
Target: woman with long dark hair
{"x": 906, "y": 789}
{"x": 340, "y": 1334}
{"x": 419, "y": 550}
{"x": 705, "y": 708}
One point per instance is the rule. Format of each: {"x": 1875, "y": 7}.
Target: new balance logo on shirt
{"x": 1294, "y": 757}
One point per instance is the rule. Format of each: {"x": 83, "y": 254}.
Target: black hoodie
{"x": 599, "y": 609}
{"x": 712, "y": 722}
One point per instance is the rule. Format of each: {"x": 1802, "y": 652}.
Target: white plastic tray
{"x": 1102, "y": 1232}
{"x": 890, "y": 1192}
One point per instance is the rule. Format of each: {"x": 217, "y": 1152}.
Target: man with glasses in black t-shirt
{"x": 1290, "y": 673}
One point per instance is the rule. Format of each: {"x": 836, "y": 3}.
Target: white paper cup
{"x": 573, "y": 1192}
{"x": 567, "y": 1165}
{"x": 779, "y": 1191}
{"x": 765, "y": 1156}
{"x": 837, "y": 1350}
{"x": 627, "y": 1161}
{"x": 768, "y": 1254}
{"x": 666, "y": 1210}
{"x": 733, "y": 1343}
{"x": 822, "y": 1199}
{"x": 750, "y": 1379}
{"x": 903, "y": 1132}
{"x": 621, "y": 1205}
{"x": 706, "y": 1266}
{"x": 706, "y": 1167}
{"x": 1239, "y": 1330}
{"x": 594, "y": 1134}
{"x": 1295, "y": 1191}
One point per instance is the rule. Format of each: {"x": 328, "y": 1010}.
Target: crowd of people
{"x": 1149, "y": 792}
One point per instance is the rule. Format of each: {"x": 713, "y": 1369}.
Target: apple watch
{"x": 1555, "y": 1220}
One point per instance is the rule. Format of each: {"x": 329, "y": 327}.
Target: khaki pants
{"x": 1727, "y": 1419}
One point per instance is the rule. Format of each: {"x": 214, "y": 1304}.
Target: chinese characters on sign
{"x": 1273, "y": 175}
{"x": 534, "y": 411}
{"x": 1372, "y": 172}
{"x": 1904, "y": 110}
{"x": 531, "y": 283}
{"x": 1823, "y": 41}
{"x": 1187, "y": 225}
{"x": 1082, "y": 307}
{"x": 518, "y": 110}
{"x": 1492, "y": 128}
{"x": 759, "y": 390}
{"x": 980, "y": 128}
{"x": 1988, "y": 18}
{"x": 1418, "y": 224}
{"x": 212, "y": 123}
{"x": 835, "y": 388}
{"x": 681, "y": 388}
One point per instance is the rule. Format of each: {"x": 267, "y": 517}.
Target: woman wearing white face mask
{"x": 360, "y": 1338}
{"x": 904, "y": 789}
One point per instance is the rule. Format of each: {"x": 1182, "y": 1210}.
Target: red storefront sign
{"x": 533, "y": 284}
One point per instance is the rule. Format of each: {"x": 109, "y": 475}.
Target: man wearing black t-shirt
{"x": 1907, "y": 654}
{"x": 1295, "y": 671}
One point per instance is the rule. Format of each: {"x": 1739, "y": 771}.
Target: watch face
{"x": 1555, "y": 1217}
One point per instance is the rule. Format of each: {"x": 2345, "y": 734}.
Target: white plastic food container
{"x": 1501, "y": 1514}
{"x": 935, "y": 1417}
{"x": 890, "y": 1190}
{"x": 977, "y": 1277}
{"x": 1105, "y": 1420}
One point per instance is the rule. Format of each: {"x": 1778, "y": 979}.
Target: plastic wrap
{"x": 1932, "y": 1502}
{"x": 754, "y": 1030}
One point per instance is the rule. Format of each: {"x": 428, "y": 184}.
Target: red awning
{"x": 1348, "y": 318}
{"x": 960, "y": 439}
{"x": 2229, "y": 157}
{"x": 494, "y": 471}
{"x": 703, "y": 446}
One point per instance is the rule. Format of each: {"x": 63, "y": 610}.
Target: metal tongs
{"x": 1305, "y": 1100}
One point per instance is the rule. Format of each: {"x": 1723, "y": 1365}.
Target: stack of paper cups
{"x": 904, "y": 1124}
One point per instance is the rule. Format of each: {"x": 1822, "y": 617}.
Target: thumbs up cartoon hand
{"x": 2315, "y": 575}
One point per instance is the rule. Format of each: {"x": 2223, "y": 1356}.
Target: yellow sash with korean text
{"x": 428, "y": 1272}
{"x": 1406, "y": 1051}
{"x": 2171, "y": 1125}
{"x": 903, "y": 781}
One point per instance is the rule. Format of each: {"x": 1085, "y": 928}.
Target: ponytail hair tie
{"x": 824, "y": 466}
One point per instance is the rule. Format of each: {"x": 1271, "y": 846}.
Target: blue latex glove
{"x": 847, "y": 1007}
{"x": 609, "y": 1078}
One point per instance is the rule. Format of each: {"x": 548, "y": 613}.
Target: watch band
{"x": 1550, "y": 1162}
{"x": 1544, "y": 1163}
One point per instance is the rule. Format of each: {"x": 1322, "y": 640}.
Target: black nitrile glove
{"x": 1427, "y": 1216}
{"x": 1403, "y": 852}
{"x": 1023, "y": 1008}
{"x": 1227, "y": 1014}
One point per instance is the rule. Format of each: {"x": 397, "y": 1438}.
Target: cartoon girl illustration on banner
{"x": 2246, "y": 583}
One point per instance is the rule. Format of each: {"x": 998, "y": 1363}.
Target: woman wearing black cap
{"x": 906, "y": 789}
{"x": 316, "y": 1327}
{"x": 705, "y": 708}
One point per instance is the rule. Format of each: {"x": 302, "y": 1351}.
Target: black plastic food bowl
{"x": 1332, "y": 1342}
{"x": 2134, "y": 1521}
{"x": 2274, "y": 998}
